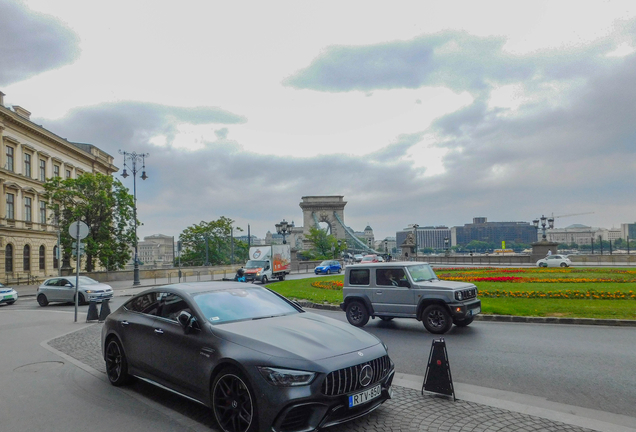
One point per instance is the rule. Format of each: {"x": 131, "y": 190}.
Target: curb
{"x": 510, "y": 318}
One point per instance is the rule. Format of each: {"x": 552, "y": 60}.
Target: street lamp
{"x": 543, "y": 219}
{"x": 600, "y": 241}
{"x": 446, "y": 251}
{"x": 135, "y": 157}
{"x": 592, "y": 245}
{"x": 284, "y": 228}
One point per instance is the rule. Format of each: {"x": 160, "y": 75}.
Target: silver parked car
{"x": 62, "y": 289}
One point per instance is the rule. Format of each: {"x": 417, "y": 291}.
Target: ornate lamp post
{"x": 543, "y": 219}
{"x": 415, "y": 227}
{"x": 446, "y": 250}
{"x": 133, "y": 158}
{"x": 284, "y": 228}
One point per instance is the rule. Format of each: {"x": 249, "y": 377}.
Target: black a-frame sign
{"x": 438, "y": 374}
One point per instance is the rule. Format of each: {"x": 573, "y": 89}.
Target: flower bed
{"x": 330, "y": 285}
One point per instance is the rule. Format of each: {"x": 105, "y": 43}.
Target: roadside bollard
{"x": 438, "y": 377}
{"x": 92, "y": 311}
{"x": 104, "y": 311}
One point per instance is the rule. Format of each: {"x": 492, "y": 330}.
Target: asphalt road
{"x": 587, "y": 366}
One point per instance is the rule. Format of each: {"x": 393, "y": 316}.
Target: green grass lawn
{"x": 301, "y": 289}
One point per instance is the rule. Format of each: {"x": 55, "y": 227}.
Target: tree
{"x": 325, "y": 246}
{"x": 102, "y": 203}
{"x": 211, "y": 240}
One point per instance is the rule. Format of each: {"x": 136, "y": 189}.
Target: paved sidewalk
{"x": 407, "y": 411}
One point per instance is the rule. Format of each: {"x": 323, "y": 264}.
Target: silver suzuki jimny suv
{"x": 407, "y": 290}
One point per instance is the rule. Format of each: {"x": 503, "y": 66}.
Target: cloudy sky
{"x": 415, "y": 111}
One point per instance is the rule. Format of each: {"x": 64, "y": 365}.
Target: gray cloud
{"x": 453, "y": 59}
{"x": 577, "y": 155}
{"x": 32, "y": 43}
{"x": 112, "y": 125}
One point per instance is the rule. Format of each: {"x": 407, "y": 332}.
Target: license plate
{"x": 475, "y": 311}
{"x": 365, "y": 396}
{"x": 9, "y": 297}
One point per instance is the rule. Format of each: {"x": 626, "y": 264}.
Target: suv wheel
{"x": 357, "y": 314}
{"x": 436, "y": 319}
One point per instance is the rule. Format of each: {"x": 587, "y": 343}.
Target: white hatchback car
{"x": 7, "y": 295}
{"x": 62, "y": 289}
{"x": 555, "y": 261}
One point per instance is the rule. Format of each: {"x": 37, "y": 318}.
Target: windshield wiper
{"x": 267, "y": 316}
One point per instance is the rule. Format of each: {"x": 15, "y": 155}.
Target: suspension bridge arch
{"x": 330, "y": 210}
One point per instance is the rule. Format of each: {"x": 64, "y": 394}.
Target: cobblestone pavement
{"x": 407, "y": 411}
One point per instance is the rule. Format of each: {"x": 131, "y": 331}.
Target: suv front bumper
{"x": 465, "y": 309}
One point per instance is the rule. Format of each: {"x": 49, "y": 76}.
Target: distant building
{"x": 155, "y": 251}
{"x": 493, "y": 232}
{"x": 427, "y": 237}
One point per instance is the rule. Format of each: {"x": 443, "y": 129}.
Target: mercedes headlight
{"x": 286, "y": 377}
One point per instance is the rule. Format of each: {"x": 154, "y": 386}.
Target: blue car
{"x": 328, "y": 267}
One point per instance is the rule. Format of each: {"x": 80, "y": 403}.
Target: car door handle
{"x": 379, "y": 292}
{"x": 158, "y": 331}
{"x": 125, "y": 323}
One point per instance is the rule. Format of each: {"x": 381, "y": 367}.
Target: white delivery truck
{"x": 268, "y": 262}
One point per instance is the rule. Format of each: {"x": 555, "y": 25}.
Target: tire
{"x": 357, "y": 314}
{"x": 436, "y": 319}
{"x": 328, "y": 271}
{"x": 281, "y": 278}
{"x": 543, "y": 265}
{"x": 116, "y": 364}
{"x": 42, "y": 300}
{"x": 465, "y": 322}
{"x": 264, "y": 280}
{"x": 387, "y": 319}
{"x": 81, "y": 300}
{"x": 233, "y": 402}
{"x": 339, "y": 270}
{"x": 564, "y": 265}
{"x": 11, "y": 302}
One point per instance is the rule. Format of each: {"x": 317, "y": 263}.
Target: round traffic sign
{"x": 73, "y": 230}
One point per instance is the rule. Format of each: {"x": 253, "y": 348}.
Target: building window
{"x": 27, "y": 165}
{"x": 27, "y": 258}
{"x": 42, "y": 212}
{"x": 42, "y": 170}
{"x": 27, "y": 209}
{"x": 42, "y": 257}
{"x": 55, "y": 257}
{"x": 8, "y": 258}
{"x": 68, "y": 174}
{"x": 10, "y": 206}
{"x": 9, "y": 158}
{"x": 56, "y": 170}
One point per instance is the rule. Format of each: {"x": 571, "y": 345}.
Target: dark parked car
{"x": 257, "y": 359}
{"x": 328, "y": 267}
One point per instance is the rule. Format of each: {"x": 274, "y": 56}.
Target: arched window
{"x": 55, "y": 258}
{"x": 27, "y": 258}
{"x": 8, "y": 258}
{"x": 42, "y": 257}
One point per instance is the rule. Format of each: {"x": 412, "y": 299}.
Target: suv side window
{"x": 359, "y": 277}
{"x": 390, "y": 277}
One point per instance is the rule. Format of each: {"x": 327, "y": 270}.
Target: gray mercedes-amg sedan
{"x": 257, "y": 359}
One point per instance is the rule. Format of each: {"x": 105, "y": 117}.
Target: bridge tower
{"x": 327, "y": 209}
